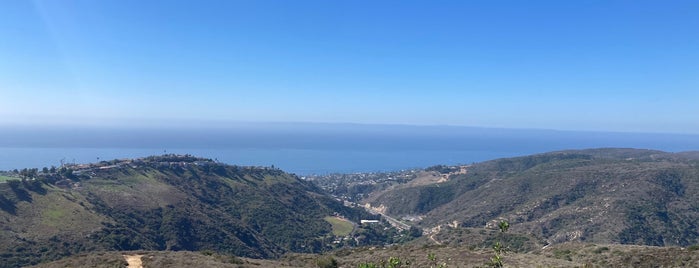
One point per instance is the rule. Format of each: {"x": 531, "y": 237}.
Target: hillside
{"x": 562, "y": 255}
{"x": 163, "y": 203}
{"x": 170, "y": 259}
{"x": 622, "y": 196}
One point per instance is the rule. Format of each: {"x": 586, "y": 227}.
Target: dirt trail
{"x": 134, "y": 261}
{"x": 435, "y": 240}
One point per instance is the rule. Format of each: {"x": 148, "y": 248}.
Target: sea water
{"x": 298, "y": 161}
{"x": 312, "y": 149}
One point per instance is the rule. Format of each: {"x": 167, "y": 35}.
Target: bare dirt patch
{"x": 134, "y": 261}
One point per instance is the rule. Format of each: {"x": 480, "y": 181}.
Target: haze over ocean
{"x": 628, "y": 66}
{"x": 311, "y": 148}
{"x": 88, "y": 79}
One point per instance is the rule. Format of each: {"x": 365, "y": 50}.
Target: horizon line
{"x": 191, "y": 123}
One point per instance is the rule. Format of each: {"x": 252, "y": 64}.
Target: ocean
{"x": 307, "y": 149}
{"x": 298, "y": 161}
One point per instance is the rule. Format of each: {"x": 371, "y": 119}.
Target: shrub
{"x": 326, "y": 262}
{"x": 601, "y": 249}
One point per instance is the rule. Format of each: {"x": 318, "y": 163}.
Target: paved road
{"x": 395, "y": 223}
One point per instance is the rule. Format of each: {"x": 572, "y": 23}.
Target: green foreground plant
{"x": 392, "y": 262}
{"x": 395, "y": 262}
{"x": 434, "y": 263}
{"x": 498, "y": 247}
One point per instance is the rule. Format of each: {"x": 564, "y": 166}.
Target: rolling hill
{"x": 163, "y": 203}
{"x": 567, "y": 208}
{"x": 624, "y": 196}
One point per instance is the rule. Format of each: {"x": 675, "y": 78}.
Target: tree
{"x": 66, "y": 172}
{"x": 45, "y": 170}
{"x": 24, "y": 173}
{"x": 415, "y": 232}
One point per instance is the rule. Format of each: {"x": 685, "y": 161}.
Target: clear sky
{"x": 569, "y": 65}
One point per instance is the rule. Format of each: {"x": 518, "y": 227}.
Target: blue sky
{"x": 628, "y": 66}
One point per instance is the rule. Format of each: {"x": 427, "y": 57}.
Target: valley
{"x": 591, "y": 208}
{"x": 621, "y": 196}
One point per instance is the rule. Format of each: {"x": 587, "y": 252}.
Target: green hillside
{"x": 163, "y": 203}
{"x": 6, "y": 178}
{"x": 341, "y": 227}
{"x": 602, "y": 196}
{"x": 184, "y": 210}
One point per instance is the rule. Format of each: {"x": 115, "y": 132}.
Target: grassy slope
{"x": 171, "y": 259}
{"x": 5, "y": 178}
{"x": 563, "y": 255}
{"x": 243, "y": 211}
{"x": 341, "y": 227}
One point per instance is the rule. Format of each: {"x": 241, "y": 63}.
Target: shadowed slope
{"x": 602, "y": 195}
